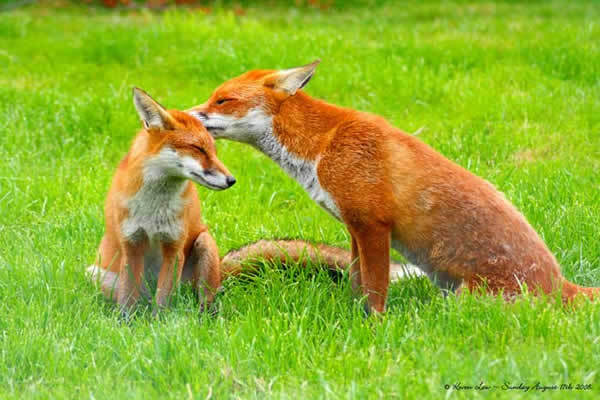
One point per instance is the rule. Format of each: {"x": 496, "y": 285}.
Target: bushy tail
{"x": 249, "y": 257}
{"x": 107, "y": 280}
{"x": 300, "y": 252}
{"x": 570, "y": 291}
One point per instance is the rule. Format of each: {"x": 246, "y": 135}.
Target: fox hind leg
{"x": 204, "y": 269}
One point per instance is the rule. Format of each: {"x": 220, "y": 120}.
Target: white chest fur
{"x": 303, "y": 171}
{"x": 155, "y": 211}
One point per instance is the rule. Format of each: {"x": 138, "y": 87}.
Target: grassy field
{"x": 510, "y": 91}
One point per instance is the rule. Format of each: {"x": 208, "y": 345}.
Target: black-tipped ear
{"x": 152, "y": 114}
{"x": 293, "y": 79}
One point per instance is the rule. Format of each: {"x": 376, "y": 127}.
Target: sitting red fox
{"x": 389, "y": 188}
{"x": 152, "y": 212}
{"x": 153, "y": 219}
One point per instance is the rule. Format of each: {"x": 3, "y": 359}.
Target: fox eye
{"x": 200, "y": 149}
{"x": 221, "y": 101}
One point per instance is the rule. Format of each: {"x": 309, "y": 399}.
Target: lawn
{"x": 510, "y": 91}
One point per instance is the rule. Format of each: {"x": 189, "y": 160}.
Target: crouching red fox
{"x": 390, "y": 190}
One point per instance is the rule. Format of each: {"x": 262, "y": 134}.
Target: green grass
{"x": 510, "y": 91}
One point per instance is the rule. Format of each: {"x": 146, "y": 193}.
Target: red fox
{"x": 153, "y": 220}
{"x": 152, "y": 211}
{"x": 389, "y": 188}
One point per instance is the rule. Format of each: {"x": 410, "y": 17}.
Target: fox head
{"x": 180, "y": 146}
{"x": 242, "y": 108}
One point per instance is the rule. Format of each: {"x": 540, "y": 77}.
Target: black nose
{"x": 201, "y": 115}
{"x": 231, "y": 181}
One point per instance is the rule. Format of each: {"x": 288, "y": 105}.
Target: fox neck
{"x": 154, "y": 200}
{"x": 301, "y": 127}
{"x": 295, "y": 137}
{"x": 156, "y": 173}
{"x": 304, "y": 126}
{"x": 149, "y": 166}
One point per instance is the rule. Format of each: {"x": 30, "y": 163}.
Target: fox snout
{"x": 213, "y": 179}
{"x": 200, "y": 115}
{"x": 216, "y": 176}
{"x": 215, "y": 123}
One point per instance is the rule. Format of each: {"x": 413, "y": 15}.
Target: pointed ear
{"x": 293, "y": 79}
{"x": 152, "y": 114}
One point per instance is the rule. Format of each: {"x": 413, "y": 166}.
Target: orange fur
{"x": 176, "y": 238}
{"x": 388, "y": 187}
{"x": 124, "y": 261}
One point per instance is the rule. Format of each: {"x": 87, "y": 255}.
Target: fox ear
{"x": 293, "y": 79}
{"x": 152, "y": 114}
